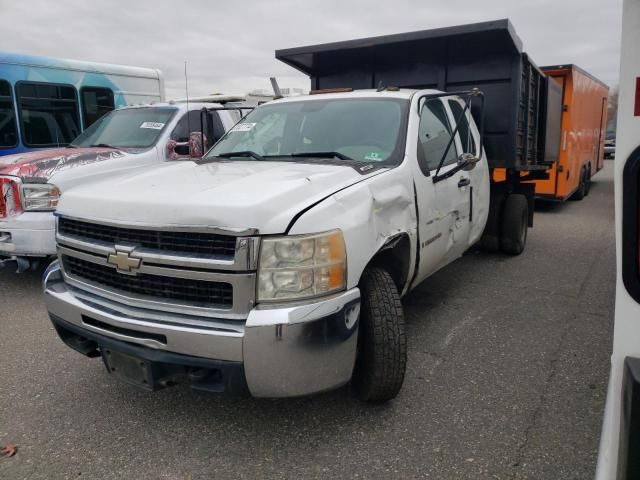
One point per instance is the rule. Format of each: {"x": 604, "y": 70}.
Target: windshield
{"x": 130, "y": 127}
{"x": 340, "y": 129}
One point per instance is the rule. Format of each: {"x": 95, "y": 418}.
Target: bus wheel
{"x": 587, "y": 181}
{"x": 515, "y": 223}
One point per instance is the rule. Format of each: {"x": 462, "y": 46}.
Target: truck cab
{"x": 123, "y": 140}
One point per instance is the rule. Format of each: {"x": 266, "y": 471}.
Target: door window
{"x": 434, "y": 135}
{"x": 464, "y": 129}
{"x": 48, "y": 114}
{"x": 96, "y": 102}
{"x": 8, "y": 127}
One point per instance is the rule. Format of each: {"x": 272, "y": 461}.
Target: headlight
{"x": 302, "y": 266}
{"x": 39, "y": 196}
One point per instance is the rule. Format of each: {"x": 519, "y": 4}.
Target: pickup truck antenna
{"x": 276, "y": 88}
{"x": 186, "y": 91}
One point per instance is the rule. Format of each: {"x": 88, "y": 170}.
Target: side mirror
{"x": 191, "y": 149}
{"x": 196, "y": 145}
{"x": 467, "y": 161}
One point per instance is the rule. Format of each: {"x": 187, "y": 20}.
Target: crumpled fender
{"x": 369, "y": 213}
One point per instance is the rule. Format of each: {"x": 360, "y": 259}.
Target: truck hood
{"x": 44, "y": 164}
{"x": 234, "y": 195}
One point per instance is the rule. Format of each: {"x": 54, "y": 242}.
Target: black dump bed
{"x": 485, "y": 55}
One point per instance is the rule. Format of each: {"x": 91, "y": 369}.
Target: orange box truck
{"x": 579, "y": 152}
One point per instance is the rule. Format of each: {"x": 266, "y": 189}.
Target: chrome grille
{"x": 206, "y": 244}
{"x": 201, "y": 292}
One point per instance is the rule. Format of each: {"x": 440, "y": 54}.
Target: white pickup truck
{"x": 275, "y": 264}
{"x": 125, "y": 139}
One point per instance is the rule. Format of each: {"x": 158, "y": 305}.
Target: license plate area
{"x": 130, "y": 369}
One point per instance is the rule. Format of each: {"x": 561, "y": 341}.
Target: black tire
{"x": 587, "y": 181}
{"x": 515, "y": 223}
{"x": 490, "y": 240}
{"x": 382, "y": 345}
{"x": 582, "y": 187}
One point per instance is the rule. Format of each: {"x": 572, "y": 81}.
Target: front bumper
{"x": 30, "y": 234}
{"x": 280, "y": 351}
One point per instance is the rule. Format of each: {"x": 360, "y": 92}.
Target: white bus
{"x": 47, "y": 102}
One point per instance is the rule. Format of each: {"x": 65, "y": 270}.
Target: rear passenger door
{"x": 443, "y": 205}
{"x": 478, "y": 189}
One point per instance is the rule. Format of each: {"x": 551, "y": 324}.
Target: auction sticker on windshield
{"x": 153, "y": 125}
{"x": 243, "y": 127}
{"x": 373, "y": 157}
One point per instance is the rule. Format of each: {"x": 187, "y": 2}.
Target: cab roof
{"x": 403, "y": 93}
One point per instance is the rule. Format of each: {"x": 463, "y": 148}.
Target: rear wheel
{"x": 382, "y": 345}
{"x": 587, "y": 181}
{"x": 515, "y": 222}
{"x": 582, "y": 187}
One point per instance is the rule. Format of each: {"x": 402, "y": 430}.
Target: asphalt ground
{"x": 507, "y": 372}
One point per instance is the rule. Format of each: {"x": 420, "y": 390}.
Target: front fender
{"x": 369, "y": 214}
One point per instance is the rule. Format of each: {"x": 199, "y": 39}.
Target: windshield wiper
{"x": 339, "y": 155}
{"x": 244, "y": 153}
{"x": 103, "y": 145}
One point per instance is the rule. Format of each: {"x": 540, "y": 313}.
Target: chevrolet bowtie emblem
{"x": 124, "y": 261}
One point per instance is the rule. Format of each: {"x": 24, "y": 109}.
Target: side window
{"x": 96, "y": 102}
{"x": 8, "y": 127}
{"x": 48, "y": 114}
{"x": 434, "y": 135}
{"x": 464, "y": 130}
{"x": 215, "y": 128}
{"x": 190, "y": 122}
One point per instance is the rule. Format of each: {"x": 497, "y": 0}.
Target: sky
{"x": 229, "y": 46}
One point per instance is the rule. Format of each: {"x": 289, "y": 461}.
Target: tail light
{"x": 10, "y": 204}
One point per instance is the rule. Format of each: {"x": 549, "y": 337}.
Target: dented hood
{"x": 238, "y": 195}
{"x": 43, "y": 164}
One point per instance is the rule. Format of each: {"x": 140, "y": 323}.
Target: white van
{"x": 619, "y": 456}
{"x": 131, "y": 137}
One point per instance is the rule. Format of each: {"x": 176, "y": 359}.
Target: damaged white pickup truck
{"x": 275, "y": 264}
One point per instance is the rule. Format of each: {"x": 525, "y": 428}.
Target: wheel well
{"x": 395, "y": 258}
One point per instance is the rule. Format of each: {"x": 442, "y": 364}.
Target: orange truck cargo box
{"x": 583, "y": 128}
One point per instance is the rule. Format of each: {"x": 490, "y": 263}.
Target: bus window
{"x": 96, "y": 102}
{"x": 48, "y": 114}
{"x": 8, "y": 129}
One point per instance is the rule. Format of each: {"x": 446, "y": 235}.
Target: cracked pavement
{"x": 507, "y": 373}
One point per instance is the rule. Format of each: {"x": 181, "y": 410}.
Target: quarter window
{"x": 95, "y": 103}
{"x": 48, "y": 114}
{"x": 434, "y": 136}
{"x": 8, "y": 128}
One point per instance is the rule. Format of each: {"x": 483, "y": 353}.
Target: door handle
{"x": 463, "y": 182}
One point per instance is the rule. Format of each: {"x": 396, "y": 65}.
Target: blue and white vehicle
{"x": 47, "y": 102}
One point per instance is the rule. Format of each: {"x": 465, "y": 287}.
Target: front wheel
{"x": 382, "y": 345}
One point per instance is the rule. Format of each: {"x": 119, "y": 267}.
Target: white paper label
{"x": 153, "y": 125}
{"x": 243, "y": 127}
